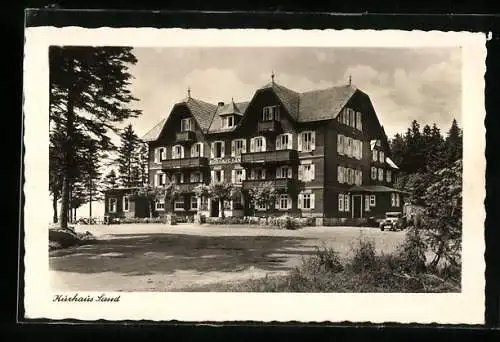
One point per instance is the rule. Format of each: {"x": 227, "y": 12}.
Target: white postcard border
{"x": 466, "y": 307}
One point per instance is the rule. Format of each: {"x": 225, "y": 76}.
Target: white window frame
{"x": 235, "y": 151}
{"x": 374, "y": 173}
{"x": 340, "y": 144}
{"x": 373, "y": 202}
{"x": 381, "y": 157}
{"x": 195, "y": 202}
{"x": 177, "y": 201}
{"x": 187, "y": 125}
{"x": 341, "y": 202}
{"x": 228, "y": 119}
{"x": 239, "y": 179}
{"x": 310, "y": 198}
{"x": 194, "y": 153}
{"x": 112, "y": 205}
{"x": 388, "y": 176}
{"x": 127, "y": 200}
{"x": 374, "y": 155}
{"x": 347, "y": 202}
{"x": 222, "y": 150}
{"x": 398, "y": 200}
{"x": 160, "y": 205}
{"x": 279, "y": 172}
{"x": 380, "y": 174}
{"x": 307, "y": 172}
{"x": 359, "y": 124}
{"x": 270, "y": 113}
{"x": 192, "y": 176}
{"x": 260, "y": 207}
{"x": 284, "y": 198}
{"x": 279, "y": 141}
{"x": 340, "y": 174}
{"x": 178, "y": 154}
{"x": 253, "y": 144}
{"x": 310, "y": 145}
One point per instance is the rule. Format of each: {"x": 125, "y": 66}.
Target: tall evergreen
{"x": 398, "y": 149}
{"x": 453, "y": 143}
{"x": 110, "y": 181}
{"x": 89, "y": 95}
{"x": 128, "y": 158}
{"x": 143, "y": 153}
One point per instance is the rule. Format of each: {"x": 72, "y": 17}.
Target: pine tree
{"x": 88, "y": 95}
{"x": 110, "y": 181}
{"x": 436, "y": 158}
{"x": 143, "y": 153}
{"x": 398, "y": 149}
{"x": 128, "y": 158}
{"x": 453, "y": 144}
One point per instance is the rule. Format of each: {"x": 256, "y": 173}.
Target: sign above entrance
{"x": 226, "y": 160}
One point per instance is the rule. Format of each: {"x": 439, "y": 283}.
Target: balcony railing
{"x": 185, "y": 163}
{"x": 186, "y": 136}
{"x": 285, "y": 184}
{"x": 188, "y": 187}
{"x": 279, "y": 156}
{"x": 268, "y": 126}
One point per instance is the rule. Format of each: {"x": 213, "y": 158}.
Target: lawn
{"x": 151, "y": 257}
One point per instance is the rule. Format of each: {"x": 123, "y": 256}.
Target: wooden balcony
{"x": 184, "y": 163}
{"x": 270, "y": 157}
{"x": 271, "y": 126}
{"x": 188, "y": 187}
{"x": 184, "y": 137}
{"x": 282, "y": 184}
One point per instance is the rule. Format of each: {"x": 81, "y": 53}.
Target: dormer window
{"x": 270, "y": 113}
{"x": 228, "y": 121}
{"x": 187, "y": 125}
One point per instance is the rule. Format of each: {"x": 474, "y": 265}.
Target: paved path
{"x": 157, "y": 257}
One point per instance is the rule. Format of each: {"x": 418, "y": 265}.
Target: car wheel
{"x": 382, "y": 228}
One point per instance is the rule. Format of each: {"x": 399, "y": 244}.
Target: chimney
{"x": 221, "y": 104}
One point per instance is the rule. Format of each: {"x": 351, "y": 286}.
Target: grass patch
{"x": 366, "y": 271}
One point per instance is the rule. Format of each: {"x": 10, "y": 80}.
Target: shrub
{"x": 323, "y": 260}
{"x": 364, "y": 256}
{"x": 411, "y": 253}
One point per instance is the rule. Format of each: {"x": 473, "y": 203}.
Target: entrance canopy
{"x": 375, "y": 188}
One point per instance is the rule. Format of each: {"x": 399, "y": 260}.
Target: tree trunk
{"x": 68, "y": 160}
{"x": 221, "y": 208}
{"x": 54, "y": 209}
{"x": 151, "y": 207}
{"x": 90, "y": 203}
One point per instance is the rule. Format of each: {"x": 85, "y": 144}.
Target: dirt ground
{"x": 158, "y": 257}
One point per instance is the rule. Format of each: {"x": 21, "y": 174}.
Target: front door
{"x": 215, "y": 208}
{"x": 357, "y": 206}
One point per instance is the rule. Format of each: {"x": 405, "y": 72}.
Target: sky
{"x": 404, "y": 84}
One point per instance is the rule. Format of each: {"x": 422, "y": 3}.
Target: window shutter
{"x": 244, "y": 146}
{"x": 252, "y": 145}
{"x": 222, "y": 176}
{"x": 263, "y": 144}
{"x": 157, "y": 155}
{"x": 233, "y": 148}
{"x": 312, "y": 201}
{"x": 288, "y": 202}
{"x": 182, "y": 151}
{"x": 223, "y": 149}
{"x": 277, "y": 203}
{"x": 202, "y": 147}
{"x": 263, "y": 174}
{"x": 367, "y": 203}
{"x": 243, "y": 174}
{"x": 361, "y": 149}
{"x": 312, "y": 174}
{"x": 289, "y": 172}
{"x": 301, "y": 172}
{"x": 339, "y": 174}
{"x": 212, "y": 176}
{"x": 233, "y": 176}
{"x": 182, "y": 178}
{"x": 347, "y": 203}
{"x": 341, "y": 202}
{"x": 252, "y": 174}
{"x": 313, "y": 141}
{"x": 193, "y": 150}
{"x": 299, "y": 142}
{"x": 346, "y": 145}
{"x": 278, "y": 173}
{"x": 278, "y": 142}
{"x": 212, "y": 149}
{"x": 156, "y": 182}
{"x": 290, "y": 145}
{"x": 299, "y": 201}
{"x": 340, "y": 144}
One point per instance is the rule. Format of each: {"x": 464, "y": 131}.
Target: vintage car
{"x": 392, "y": 221}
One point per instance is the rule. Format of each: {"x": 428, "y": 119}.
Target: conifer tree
{"x": 128, "y": 158}
{"x": 453, "y": 143}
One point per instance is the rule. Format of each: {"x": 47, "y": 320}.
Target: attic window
{"x": 187, "y": 124}
{"x": 228, "y": 121}
{"x": 270, "y": 113}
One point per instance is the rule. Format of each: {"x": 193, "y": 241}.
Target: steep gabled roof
{"x": 154, "y": 133}
{"x": 289, "y": 98}
{"x": 323, "y": 104}
{"x": 203, "y": 112}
